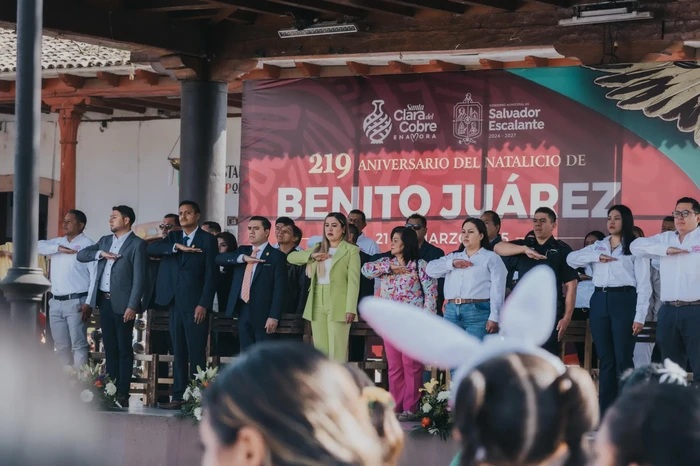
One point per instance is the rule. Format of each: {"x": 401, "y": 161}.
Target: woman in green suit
{"x": 334, "y": 268}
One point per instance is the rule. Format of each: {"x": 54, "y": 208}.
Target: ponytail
{"x": 577, "y": 413}
{"x": 471, "y": 395}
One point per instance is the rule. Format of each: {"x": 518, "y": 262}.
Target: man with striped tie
{"x": 186, "y": 284}
{"x": 258, "y": 285}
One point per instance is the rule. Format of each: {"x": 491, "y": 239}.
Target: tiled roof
{"x": 61, "y": 54}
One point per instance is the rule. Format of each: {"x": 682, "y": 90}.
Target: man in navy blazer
{"x": 258, "y": 286}
{"x": 186, "y": 283}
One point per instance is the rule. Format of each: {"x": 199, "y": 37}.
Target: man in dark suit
{"x": 120, "y": 281}
{"x": 259, "y": 284}
{"x": 187, "y": 280}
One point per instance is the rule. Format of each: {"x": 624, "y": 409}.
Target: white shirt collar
{"x": 123, "y": 237}
{"x": 191, "y": 235}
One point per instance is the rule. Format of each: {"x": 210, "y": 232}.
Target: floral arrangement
{"x": 98, "y": 389}
{"x": 193, "y": 394}
{"x": 434, "y": 412}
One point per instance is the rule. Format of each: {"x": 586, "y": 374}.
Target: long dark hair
{"x": 655, "y": 424}
{"x": 229, "y": 239}
{"x": 627, "y": 233}
{"x": 409, "y": 238}
{"x": 550, "y": 407}
{"x": 598, "y": 234}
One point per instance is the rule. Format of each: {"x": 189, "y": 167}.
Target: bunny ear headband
{"x": 526, "y": 322}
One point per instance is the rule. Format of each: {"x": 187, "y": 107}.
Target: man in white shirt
{"x": 71, "y": 287}
{"x": 678, "y": 327}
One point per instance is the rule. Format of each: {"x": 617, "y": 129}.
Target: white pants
{"x": 69, "y": 331}
{"x": 642, "y": 354}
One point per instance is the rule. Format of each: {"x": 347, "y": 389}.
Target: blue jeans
{"x": 471, "y": 317}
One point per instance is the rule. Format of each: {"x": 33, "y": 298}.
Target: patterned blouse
{"x": 414, "y": 287}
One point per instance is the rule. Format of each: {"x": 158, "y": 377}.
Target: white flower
{"x": 427, "y": 408}
{"x": 443, "y": 396}
{"x": 433, "y": 431}
{"x": 111, "y": 389}
{"x": 201, "y": 374}
{"x": 86, "y": 396}
{"x": 198, "y": 413}
{"x": 211, "y": 372}
{"x": 186, "y": 396}
{"x": 197, "y": 394}
{"x": 673, "y": 373}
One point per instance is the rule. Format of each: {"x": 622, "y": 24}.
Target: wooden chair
{"x": 579, "y": 331}
{"x": 648, "y": 333}
{"x": 159, "y": 321}
{"x": 220, "y": 323}
{"x": 363, "y": 329}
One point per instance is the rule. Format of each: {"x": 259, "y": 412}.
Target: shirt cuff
{"x": 240, "y": 259}
{"x": 641, "y": 316}
{"x": 97, "y": 255}
{"x": 174, "y": 248}
{"x": 493, "y": 316}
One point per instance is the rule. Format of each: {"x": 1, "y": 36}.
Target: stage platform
{"x": 156, "y": 437}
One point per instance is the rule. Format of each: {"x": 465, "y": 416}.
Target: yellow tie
{"x": 248, "y": 278}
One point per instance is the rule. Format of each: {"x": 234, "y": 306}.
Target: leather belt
{"x": 68, "y": 297}
{"x": 615, "y": 289}
{"x": 682, "y": 303}
{"x": 467, "y": 301}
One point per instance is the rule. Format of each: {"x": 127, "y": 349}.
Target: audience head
{"x": 353, "y": 234}
{"x": 74, "y": 223}
{"x": 685, "y": 217}
{"x": 189, "y": 215}
{"x": 419, "y": 224}
{"x": 518, "y": 409}
{"x": 211, "y": 227}
{"x": 474, "y": 234}
{"x": 280, "y": 222}
{"x": 544, "y": 221}
{"x": 381, "y": 410}
{"x": 638, "y": 232}
{"x": 668, "y": 372}
{"x": 592, "y": 237}
{"x": 668, "y": 224}
{"x": 258, "y": 230}
{"x": 171, "y": 222}
{"x": 621, "y": 223}
{"x": 122, "y": 218}
{"x": 651, "y": 425}
{"x": 297, "y": 234}
{"x": 285, "y": 235}
{"x": 357, "y": 217}
{"x": 227, "y": 242}
{"x": 493, "y": 223}
{"x": 404, "y": 244}
{"x": 318, "y": 419}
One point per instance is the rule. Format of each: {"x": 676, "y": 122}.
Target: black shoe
{"x": 123, "y": 401}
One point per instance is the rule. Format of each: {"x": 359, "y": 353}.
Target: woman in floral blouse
{"x": 403, "y": 279}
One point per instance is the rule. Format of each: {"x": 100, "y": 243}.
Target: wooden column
{"x": 68, "y": 123}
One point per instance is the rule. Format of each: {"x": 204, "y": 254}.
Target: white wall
{"x": 124, "y": 163}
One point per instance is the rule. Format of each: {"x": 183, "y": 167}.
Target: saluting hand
{"x": 66, "y": 250}
{"x": 532, "y": 254}
{"x": 252, "y": 260}
{"x": 604, "y": 258}
{"x": 676, "y": 251}
{"x": 109, "y": 256}
{"x": 461, "y": 264}
{"x": 320, "y": 256}
{"x": 183, "y": 248}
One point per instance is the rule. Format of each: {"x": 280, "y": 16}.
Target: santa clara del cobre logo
{"x": 377, "y": 125}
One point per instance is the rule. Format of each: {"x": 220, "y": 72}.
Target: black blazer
{"x": 187, "y": 278}
{"x": 268, "y": 288}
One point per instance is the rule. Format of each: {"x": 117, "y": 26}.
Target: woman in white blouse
{"x": 621, "y": 299}
{"x": 475, "y": 281}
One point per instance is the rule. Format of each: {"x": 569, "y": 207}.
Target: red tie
{"x": 248, "y": 278}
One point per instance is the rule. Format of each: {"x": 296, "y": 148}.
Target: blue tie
{"x": 182, "y": 255}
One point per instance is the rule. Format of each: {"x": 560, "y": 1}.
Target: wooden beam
{"x": 241, "y": 16}
{"x": 491, "y": 64}
{"x": 677, "y": 52}
{"x": 309, "y": 70}
{"x": 323, "y": 6}
{"x": 152, "y": 79}
{"x": 110, "y": 78}
{"x": 359, "y": 69}
{"x": 264, "y": 7}
{"x": 400, "y": 67}
{"x": 445, "y": 66}
{"x": 537, "y": 62}
{"x": 103, "y": 110}
{"x": 192, "y": 15}
{"x": 114, "y": 104}
{"x": 266, "y": 72}
{"x": 437, "y": 5}
{"x": 152, "y": 102}
{"x": 380, "y": 6}
{"x": 165, "y": 5}
{"x": 508, "y": 5}
{"x": 559, "y": 3}
{"x": 223, "y": 14}
{"x": 70, "y": 80}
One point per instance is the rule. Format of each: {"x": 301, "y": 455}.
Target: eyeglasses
{"x": 165, "y": 226}
{"x": 682, "y": 213}
{"x": 414, "y": 226}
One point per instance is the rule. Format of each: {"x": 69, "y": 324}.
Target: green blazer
{"x": 344, "y": 278}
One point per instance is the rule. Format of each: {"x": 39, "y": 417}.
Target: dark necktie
{"x": 184, "y": 243}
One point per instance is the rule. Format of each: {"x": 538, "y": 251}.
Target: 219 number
{"x": 341, "y": 162}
